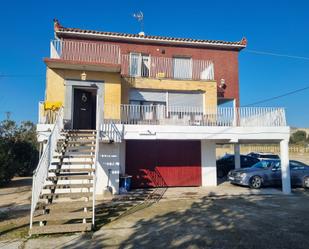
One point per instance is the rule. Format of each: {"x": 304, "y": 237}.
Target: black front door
{"x": 84, "y": 115}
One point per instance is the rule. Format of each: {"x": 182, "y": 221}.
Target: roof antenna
{"x": 139, "y": 16}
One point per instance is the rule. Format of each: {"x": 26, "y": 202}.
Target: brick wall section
{"x": 225, "y": 61}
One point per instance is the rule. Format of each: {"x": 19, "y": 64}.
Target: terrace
{"x": 133, "y": 64}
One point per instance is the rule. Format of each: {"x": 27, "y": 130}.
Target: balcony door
{"x": 182, "y": 68}
{"x": 139, "y": 65}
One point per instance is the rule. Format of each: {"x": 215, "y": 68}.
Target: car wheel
{"x": 220, "y": 173}
{"x": 256, "y": 182}
{"x": 306, "y": 182}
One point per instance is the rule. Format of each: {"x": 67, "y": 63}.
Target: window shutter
{"x": 185, "y": 99}
{"x": 140, "y": 95}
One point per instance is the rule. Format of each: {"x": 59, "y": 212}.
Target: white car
{"x": 263, "y": 155}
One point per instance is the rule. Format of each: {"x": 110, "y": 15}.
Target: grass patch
{"x": 13, "y": 231}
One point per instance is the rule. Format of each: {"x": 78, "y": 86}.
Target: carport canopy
{"x": 284, "y": 157}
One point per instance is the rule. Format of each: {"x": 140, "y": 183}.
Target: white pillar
{"x": 237, "y": 155}
{"x": 209, "y": 167}
{"x": 285, "y": 167}
{"x": 107, "y": 174}
{"x": 123, "y": 157}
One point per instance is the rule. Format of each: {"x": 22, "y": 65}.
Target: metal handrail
{"x": 95, "y": 176}
{"x": 41, "y": 172}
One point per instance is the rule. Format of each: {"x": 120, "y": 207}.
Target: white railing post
{"x": 95, "y": 175}
{"x": 226, "y": 116}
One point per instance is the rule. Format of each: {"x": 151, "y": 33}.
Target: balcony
{"x": 138, "y": 65}
{"x": 133, "y": 64}
{"x": 87, "y": 52}
{"x": 196, "y": 116}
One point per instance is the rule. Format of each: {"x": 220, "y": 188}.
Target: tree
{"x": 299, "y": 137}
{"x": 18, "y": 149}
{"x": 7, "y": 169}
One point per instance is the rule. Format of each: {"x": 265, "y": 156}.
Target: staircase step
{"x": 75, "y": 170}
{"x": 72, "y": 163}
{"x": 70, "y": 177}
{"x": 80, "y": 135}
{"x": 63, "y": 206}
{"x": 60, "y": 216}
{"x": 69, "y": 195}
{"x": 80, "y": 151}
{"x": 69, "y": 138}
{"x": 76, "y": 144}
{"x": 68, "y": 186}
{"x": 80, "y": 130}
{"x": 82, "y": 148}
{"x": 67, "y": 228}
{"x": 81, "y": 141}
{"x": 74, "y": 156}
{"x": 76, "y": 151}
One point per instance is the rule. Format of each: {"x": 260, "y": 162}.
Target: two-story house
{"x": 147, "y": 106}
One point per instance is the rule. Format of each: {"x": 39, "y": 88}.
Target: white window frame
{"x": 191, "y": 69}
{"x": 139, "y": 64}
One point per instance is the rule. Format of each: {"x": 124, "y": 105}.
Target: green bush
{"x": 18, "y": 150}
{"x": 7, "y": 168}
{"x": 299, "y": 138}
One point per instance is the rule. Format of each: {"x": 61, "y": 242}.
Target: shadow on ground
{"x": 121, "y": 206}
{"x": 214, "y": 222}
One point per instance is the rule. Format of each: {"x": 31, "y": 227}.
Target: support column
{"x": 285, "y": 167}
{"x": 107, "y": 173}
{"x": 237, "y": 155}
{"x": 123, "y": 157}
{"x": 209, "y": 168}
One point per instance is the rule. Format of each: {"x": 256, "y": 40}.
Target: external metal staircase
{"x": 66, "y": 201}
{"x": 63, "y": 189}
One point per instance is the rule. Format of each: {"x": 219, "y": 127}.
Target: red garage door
{"x": 163, "y": 163}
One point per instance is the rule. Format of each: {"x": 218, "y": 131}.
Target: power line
{"x": 20, "y": 75}
{"x": 276, "y": 54}
{"x": 279, "y": 96}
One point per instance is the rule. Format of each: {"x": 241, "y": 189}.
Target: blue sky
{"x": 27, "y": 28}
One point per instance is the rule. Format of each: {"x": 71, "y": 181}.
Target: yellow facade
{"x": 55, "y": 88}
{"x": 116, "y": 89}
{"x": 208, "y": 87}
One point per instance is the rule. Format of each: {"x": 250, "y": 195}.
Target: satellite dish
{"x": 139, "y": 16}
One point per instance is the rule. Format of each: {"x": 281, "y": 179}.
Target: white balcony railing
{"x": 196, "y": 116}
{"x": 164, "y": 67}
{"x": 134, "y": 64}
{"x": 93, "y": 52}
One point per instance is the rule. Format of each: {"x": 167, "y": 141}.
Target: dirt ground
{"x": 225, "y": 217}
{"x": 15, "y": 208}
{"x": 275, "y": 221}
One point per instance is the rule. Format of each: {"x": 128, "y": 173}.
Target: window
{"x": 182, "y": 68}
{"x": 139, "y": 65}
{"x": 297, "y": 165}
{"x": 264, "y": 164}
{"x": 270, "y": 156}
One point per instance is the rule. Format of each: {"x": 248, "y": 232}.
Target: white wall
{"x": 123, "y": 157}
{"x": 174, "y": 132}
{"x": 108, "y": 168}
{"x": 209, "y": 168}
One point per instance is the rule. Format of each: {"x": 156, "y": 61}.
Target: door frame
{"x": 93, "y": 88}
{"x": 70, "y": 85}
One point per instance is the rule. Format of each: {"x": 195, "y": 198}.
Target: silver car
{"x": 268, "y": 173}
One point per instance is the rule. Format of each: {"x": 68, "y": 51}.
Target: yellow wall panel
{"x": 55, "y": 86}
